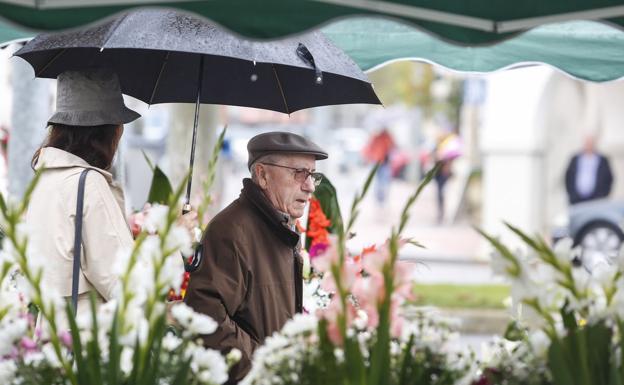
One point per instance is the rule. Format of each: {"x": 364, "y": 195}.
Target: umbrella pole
{"x": 187, "y": 202}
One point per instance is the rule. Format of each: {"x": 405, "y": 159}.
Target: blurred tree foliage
{"x": 419, "y": 85}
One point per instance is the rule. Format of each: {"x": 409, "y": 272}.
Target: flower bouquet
{"x": 365, "y": 333}
{"x": 124, "y": 341}
{"x": 571, "y": 329}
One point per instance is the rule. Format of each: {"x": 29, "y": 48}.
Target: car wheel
{"x": 600, "y": 242}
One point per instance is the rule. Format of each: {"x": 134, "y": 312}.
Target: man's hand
{"x": 191, "y": 224}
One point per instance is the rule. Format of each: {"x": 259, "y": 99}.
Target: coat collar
{"x": 276, "y": 219}
{"x": 52, "y": 157}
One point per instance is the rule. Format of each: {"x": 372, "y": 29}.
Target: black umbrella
{"x": 163, "y": 56}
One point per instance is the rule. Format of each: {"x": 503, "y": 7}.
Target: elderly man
{"x": 250, "y": 279}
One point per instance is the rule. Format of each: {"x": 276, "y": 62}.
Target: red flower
{"x": 317, "y": 224}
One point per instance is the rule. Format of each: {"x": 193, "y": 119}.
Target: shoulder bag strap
{"x": 78, "y": 239}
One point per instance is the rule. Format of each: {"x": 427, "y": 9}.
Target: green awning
{"x": 472, "y": 22}
{"x": 10, "y": 33}
{"x": 584, "y": 49}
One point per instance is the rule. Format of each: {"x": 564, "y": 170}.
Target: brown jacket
{"x": 250, "y": 279}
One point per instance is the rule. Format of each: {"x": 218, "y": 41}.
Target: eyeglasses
{"x": 301, "y": 174}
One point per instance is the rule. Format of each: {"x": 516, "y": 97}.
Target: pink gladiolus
{"x": 404, "y": 273}
{"x": 375, "y": 260}
{"x": 28, "y": 344}
{"x": 396, "y": 318}
{"x": 350, "y": 273}
{"x": 369, "y": 290}
{"x": 330, "y": 314}
{"x": 66, "y": 339}
{"x": 318, "y": 249}
{"x": 323, "y": 262}
{"x": 328, "y": 283}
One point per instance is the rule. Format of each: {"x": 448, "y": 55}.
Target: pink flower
{"x": 66, "y": 339}
{"x": 374, "y": 261}
{"x": 324, "y": 261}
{"x": 28, "y": 344}
{"x": 396, "y": 318}
{"x": 369, "y": 290}
{"x": 328, "y": 283}
{"x": 317, "y": 249}
{"x": 404, "y": 273}
{"x": 332, "y": 314}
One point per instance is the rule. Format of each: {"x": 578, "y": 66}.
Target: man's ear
{"x": 262, "y": 176}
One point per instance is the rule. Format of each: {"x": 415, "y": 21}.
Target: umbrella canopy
{"x": 162, "y": 56}
{"x": 467, "y": 22}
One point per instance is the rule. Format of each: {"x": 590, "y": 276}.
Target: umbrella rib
{"x": 279, "y": 84}
{"x": 162, "y": 69}
{"x": 112, "y": 30}
{"x": 50, "y": 62}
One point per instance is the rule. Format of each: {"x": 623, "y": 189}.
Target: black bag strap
{"x": 78, "y": 238}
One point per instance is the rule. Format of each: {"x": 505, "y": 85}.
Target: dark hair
{"x": 95, "y": 144}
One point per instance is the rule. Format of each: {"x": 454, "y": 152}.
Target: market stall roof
{"x": 477, "y": 36}
{"x": 466, "y": 22}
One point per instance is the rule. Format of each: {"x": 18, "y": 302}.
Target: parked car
{"x": 598, "y": 227}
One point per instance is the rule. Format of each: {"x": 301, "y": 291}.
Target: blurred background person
{"x": 379, "y": 150}
{"x": 588, "y": 175}
{"x": 447, "y": 148}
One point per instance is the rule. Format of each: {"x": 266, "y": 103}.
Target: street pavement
{"x": 452, "y": 253}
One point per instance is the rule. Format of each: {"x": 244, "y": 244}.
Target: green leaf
{"x": 406, "y": 360}
{"x": 148, "y": 160}
{"x": 328, "y": 199}
{"x": 113, "y": 373}
{"x": 81, "y": 367}
{"x": 93, "y": 347}
{"x": 598, "y": 345}
{"x": 160, "y": 189}
{"x": 561, "y": 368}
{"x": 568, "y": 318}
{"x": 183, "y": 373}
{"x": 410, "y": 201}
{"x": 514, "y": 332}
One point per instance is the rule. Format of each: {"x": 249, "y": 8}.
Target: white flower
{"x": 180, "y": 240}
{"x": 172, "y": 272}
{"x": 540, "y": 342}
{"x": 126, "y": 360}
{"x": 300, "y": 324}
{"x": 11, "y": 330}
{"x": 209, "y": 366}
{"x": 192, "y": 322}
{"x": 34, "y": 358}
{"x": 604, "y": 275}
{"x": 7, "y": 371}
{"x": 50, "y": 355}
{"x": 233, "y": 356}
{"x": 137, "y": 327}
{"x": 156, "y": 218}
{"x": 563, "y": 251}
{"x": 170, "y": 342}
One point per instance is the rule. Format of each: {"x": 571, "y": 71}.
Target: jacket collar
{"x": 52, "y": 157}
{"x": 276, "y": 219}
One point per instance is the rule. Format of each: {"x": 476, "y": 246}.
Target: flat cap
{"x": 278, "y": 142}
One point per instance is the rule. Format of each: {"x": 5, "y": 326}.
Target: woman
{"x": 84, "y": 133}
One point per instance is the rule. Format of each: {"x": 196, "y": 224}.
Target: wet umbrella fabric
{"x": 158, "y": 55}
{"x": 162, "y": 56}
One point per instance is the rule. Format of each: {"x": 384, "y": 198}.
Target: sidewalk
{"x": 457, "y": 243}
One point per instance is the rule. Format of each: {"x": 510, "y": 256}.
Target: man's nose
{"x": 308, "y": 185}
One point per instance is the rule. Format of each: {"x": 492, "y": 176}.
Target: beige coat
{"x": 50, "y": 220}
